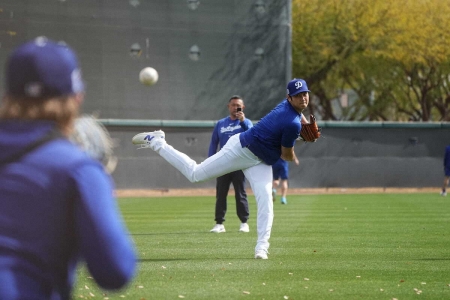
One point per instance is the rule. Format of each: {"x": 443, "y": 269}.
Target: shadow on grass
{"x": 160, "y": 259}
{"x": 431, "y": 259}
{"x": 191, "y": 232}
{"x": 143, "y": 260}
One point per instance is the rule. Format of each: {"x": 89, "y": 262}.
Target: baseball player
{"x": 446, "y": 171}
{"x": 280, "y": 172}
{"x": 224, "y": 129}
{"x": 57, "y": 204}
{"x": 253, "y": 151}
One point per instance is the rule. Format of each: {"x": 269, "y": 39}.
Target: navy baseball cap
{"x": 43, "y": 68}
{"x": 296, "y": 86}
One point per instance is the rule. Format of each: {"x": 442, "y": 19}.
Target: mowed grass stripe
{"x": 371, "y": 246}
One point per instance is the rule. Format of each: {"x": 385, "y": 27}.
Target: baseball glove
{"x": 310, "y": 132}
{"x": 93, "y": 138}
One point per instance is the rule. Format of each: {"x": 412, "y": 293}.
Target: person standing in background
{"x": 280, "y": 178}
{"x": 446, "y": 171}
{"x": 224, "y": 129}
{"x": 57, "y": 203}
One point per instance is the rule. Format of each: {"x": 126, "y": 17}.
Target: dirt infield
{"x": 212, "y": 192}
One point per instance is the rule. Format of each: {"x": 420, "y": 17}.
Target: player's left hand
{"x": 310, "y": 132}
{"x": 93, "y": 138}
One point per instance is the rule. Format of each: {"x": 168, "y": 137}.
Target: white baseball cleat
{"x": 261, "y": 254}
{"x": 244, "y": 227}
{"x": 218, "y": 228}
{"x": 149, "y": 139}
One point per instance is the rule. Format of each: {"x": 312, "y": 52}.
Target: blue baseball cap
{"x": 43, "y": 68}
{"x": 296, "y": 86}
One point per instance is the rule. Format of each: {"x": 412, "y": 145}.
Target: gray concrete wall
{"x": 349, "y": 157}
{"x": 228, "y": 32}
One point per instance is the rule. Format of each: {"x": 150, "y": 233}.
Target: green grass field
{"x": 373, "y": 246}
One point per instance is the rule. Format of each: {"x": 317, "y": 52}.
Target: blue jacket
{"x": 56, "y": 208}
{"x": 224, "y": 129}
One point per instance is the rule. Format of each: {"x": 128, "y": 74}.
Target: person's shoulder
{"x": 68, "y": 153}
{"x": 223, "y": 120}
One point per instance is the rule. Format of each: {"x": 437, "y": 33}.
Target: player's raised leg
{"x": 230, "y": 158}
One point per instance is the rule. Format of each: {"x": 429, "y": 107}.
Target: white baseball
{"x": 148, "y": 76}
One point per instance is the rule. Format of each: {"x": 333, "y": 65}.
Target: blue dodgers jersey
{"x": 280, "y": 127}
{"x": 224, "y": 129}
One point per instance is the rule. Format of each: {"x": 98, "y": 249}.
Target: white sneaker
{"x": 261, "y": 254}
{"x": 152, "y": 140}
{"x": 443, "y": 193}
{"x": 244, "y": 227}
{"x": 218, "y": 228}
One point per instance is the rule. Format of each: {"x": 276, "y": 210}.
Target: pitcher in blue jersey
{"x": 253, "y": 151}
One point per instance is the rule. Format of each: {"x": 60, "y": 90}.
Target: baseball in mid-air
{"x": 148, "y": 76}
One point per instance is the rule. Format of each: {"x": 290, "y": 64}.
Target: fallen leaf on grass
{"x": 140, "y": 286}
{"x": 423, "y": 283}
{"x": 180, "y": 296}
{"x": 245, "y": 292}
{"x": 358, "y": 276}
{"x": 381, "y": 290}
{"x": 286, "y": 297}
{"x": 306, "y": 279}
{"x": 86, "y": 287}
{"x": 163, "y": 267}
{"x": 291, "y": 273}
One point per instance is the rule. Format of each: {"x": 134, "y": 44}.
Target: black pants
{"x": 222, "y": 187}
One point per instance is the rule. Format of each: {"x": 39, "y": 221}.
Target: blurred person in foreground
{"x": 57, "y": 203}
{"x": 446, "y": 171}
{"x": 236, "y": 122}
{"x": 280, "y": 172}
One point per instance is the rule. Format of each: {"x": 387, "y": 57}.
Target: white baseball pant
{"x": 232, "y": 157}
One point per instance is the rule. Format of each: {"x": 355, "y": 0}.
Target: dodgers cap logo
{"x": 297, "y": 86}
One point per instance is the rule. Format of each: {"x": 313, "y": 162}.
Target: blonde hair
{"x": 62, "y": 110}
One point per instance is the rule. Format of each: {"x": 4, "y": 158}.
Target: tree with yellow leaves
{"x": 392, "y": 54}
